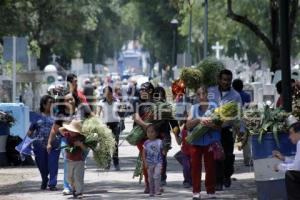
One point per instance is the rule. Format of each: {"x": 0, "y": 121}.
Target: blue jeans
{"x": 47, "y": 163}
{"x": 66, "y": 183}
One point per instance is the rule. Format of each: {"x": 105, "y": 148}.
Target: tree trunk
{"x": 275, "y": 52}
{"x": 272, "y": 44}
{"x": 45, "y": 55}
{"x": 275, "y": 59}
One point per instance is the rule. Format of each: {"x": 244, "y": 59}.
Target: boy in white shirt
{"x": 291, "y": 166}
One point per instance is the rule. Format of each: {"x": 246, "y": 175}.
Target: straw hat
{"x": 74, "y": 126}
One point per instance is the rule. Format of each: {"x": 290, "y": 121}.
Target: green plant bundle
{"x": 100, "y": 139}
{"x": 191, "y": 77}
{"x": 225, "y": 113}
{"x": 210, "y": 69}
{"x": 157, "y": 114}
{"x": 136, "y": 135}
{"x": 267, "y": 120}
{"x": 138, "y": 170}
{"x": 296, "y": 102}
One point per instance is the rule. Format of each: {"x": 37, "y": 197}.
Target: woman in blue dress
{"x": 40, "y": 129}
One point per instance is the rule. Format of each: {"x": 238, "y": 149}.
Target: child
{"x": 152, "y": 156}
{"x": 75, "y": 158}
{"x": 185, "y": 156}
{"x": 291, "y": 166}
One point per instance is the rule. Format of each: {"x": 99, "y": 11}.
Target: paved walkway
{"x": 24, "y": 182}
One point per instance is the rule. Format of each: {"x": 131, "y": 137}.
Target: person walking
{"x": 108, "y": 108}
{"x": 152, "y": 157}
{"x": 75, "y": 157}
{"x": 221, "y": 94}
{"x": 238, "y": 85}
{"x": 40, "y": 130}
{"x": 142, "y": 114}
{"x": 199, "y": 148}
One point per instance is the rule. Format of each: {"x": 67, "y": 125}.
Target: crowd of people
{"x": 59, "y": 126}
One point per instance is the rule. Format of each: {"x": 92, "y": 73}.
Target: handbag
{"x": 218, "y": 151}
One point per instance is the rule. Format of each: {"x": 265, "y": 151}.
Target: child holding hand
{"x": 152, "y": 156}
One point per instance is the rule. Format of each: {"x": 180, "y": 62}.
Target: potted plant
{"x": 6, "y": 121}
{"x": 268, "y": 129}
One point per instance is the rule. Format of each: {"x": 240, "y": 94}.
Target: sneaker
{"x": 79, "y": 196}
{"x": 211, "y": 196}
{"x": 66, "y": 192}
{"x": 43, "y": 186}
{"x": 196, "y": 196}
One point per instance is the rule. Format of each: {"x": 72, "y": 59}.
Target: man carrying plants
{"x": 221, "y": 94}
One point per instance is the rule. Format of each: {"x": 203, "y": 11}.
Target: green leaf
{"x": 275, "y": 133}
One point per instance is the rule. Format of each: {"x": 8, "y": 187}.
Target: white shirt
{"x": 291, "y": 164}
{"x": 110, "y": 111}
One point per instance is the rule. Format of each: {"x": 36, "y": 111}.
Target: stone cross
{"x": 54, "y": 58}
{"x": 217, "y": 48}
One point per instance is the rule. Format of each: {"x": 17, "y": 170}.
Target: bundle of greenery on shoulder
{"x": 99, "y": 138}
{"x": 210, "y": 68}
{"x": 157, "y": 114}
{"x": 226, "y": 113}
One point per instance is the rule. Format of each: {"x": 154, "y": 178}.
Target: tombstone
{"x": 217, "y": 48}
{"x": 264, "y": 94}
{"x": 257, "y": 93}
{"x": 77, "y": 65}
{"x": 269, "y": 94}
{"x": 28, "y": 94}
{"x": 184, "y": 60}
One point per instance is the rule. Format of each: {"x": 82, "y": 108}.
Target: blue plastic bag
{"x": 25, "y": 148}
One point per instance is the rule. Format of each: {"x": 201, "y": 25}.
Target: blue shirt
{"x": 41, "y": 129}
{"x": 153, "y": 151}
{"x": 245, "y": 97}
{"x": 220, "y": 98}
{"x": 212, "y": 135}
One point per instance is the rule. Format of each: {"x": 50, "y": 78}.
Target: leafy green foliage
{"x": 210, "y": 69}
{"x": 191, "y": 77}
{"x": 99, "y": 138}
{"x": 268, "y": 120}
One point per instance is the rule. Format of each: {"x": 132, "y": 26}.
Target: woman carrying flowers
{"x": 200, "y": 147}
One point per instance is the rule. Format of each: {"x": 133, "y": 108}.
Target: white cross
{"x": 54, "y": 58}
{"x": 217, "y": 48}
